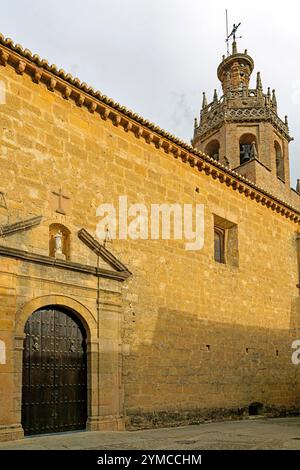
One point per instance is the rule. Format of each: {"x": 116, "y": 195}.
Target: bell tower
{"x": 242, "y": 129}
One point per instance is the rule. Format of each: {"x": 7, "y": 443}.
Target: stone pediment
{"x": 116, "y": 270}
{"x": 21, "y": 226}
{"x": 102, "y": 252}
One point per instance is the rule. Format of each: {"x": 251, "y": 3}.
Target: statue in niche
{"x": 58, "y": 243}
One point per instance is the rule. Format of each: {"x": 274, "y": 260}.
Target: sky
{"x": 157, "y": 56}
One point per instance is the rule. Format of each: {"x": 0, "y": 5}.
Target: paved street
{"x": 259, "y": 433}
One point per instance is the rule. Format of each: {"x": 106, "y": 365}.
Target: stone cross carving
{"x": 61, "y": 197}
{"x": 58, "y": 243}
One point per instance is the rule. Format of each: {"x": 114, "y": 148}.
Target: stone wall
{"x": 198, "y": 338}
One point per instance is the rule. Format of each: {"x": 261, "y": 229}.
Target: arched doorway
{"x": 54, "y": 384}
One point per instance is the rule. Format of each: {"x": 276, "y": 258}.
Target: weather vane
{"x": 232, "y": 34}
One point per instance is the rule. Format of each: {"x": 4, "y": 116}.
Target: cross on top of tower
{"x": 233, "y": 32}
{"x": 232, "y": 35}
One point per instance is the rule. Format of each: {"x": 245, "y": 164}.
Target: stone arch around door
{"x": 89, "y": 325}
{"x": 83, "y": 313}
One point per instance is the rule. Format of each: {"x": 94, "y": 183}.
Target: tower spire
{"x": 215, "y": 99}
{"x": 259, "y": 86}
{"x": 286, "y": 122}
{"x": 204, "y": 101}
{"x": 274, "y": 100}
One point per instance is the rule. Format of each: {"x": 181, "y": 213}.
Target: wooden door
{"x": 54, "y": 392}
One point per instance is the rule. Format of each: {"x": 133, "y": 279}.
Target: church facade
{"x": 136, "y": 332}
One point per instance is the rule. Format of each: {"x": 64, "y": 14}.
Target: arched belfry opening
{"x": 213, "y": 149}
{"x": 54, "y": 381}
{"x": 279, "y": 161}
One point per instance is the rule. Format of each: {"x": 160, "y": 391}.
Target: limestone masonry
{"x": 165, "y": 336}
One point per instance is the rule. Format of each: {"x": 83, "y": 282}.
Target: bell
{"x": 245, "y": 153}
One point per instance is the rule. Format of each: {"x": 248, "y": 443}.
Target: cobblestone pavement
{"x": 259, "y": 433}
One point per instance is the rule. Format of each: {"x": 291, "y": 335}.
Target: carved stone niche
{"x": 59, "y": 241}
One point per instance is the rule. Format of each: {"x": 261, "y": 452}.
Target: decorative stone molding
{"x": 39, "y": 302}
{"x": 67, "y": 93}
{"x": 158, "y": 143}
{"x": 37, "y": 75}
{"x": 61, "y": 264}
{"x": 52, "y": 84}
{"x": 139, "y": 132}
{"x": 21, "y": 67}
{"x": 128, "y": 126}
{"x": 92, "y": 107}
{"x": 3, "y": 57}
{"x": 149, "y": 138}
{"x": 105, "y": 114}
{"x": 101, "y": 251}
{"x": 117, "y": 120}
{"x": 213, "y": 117}
{"x": 80, "y": 100}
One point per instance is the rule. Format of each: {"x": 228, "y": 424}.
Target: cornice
{"x": 20, "y": 226}
{"x": 70, "y": 88}
{"x": 228, "y": 61}
{"x": 61, "y": 264}
{"x": 215, "y": 116}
